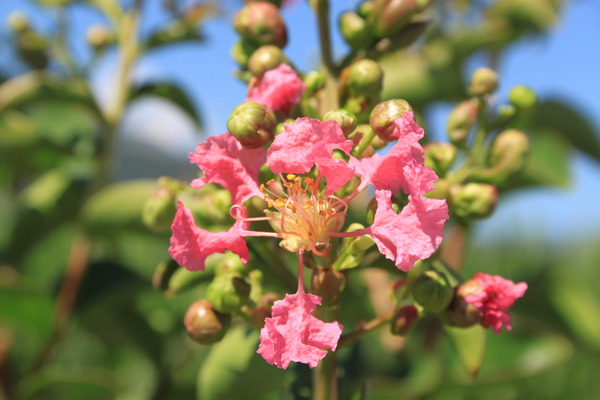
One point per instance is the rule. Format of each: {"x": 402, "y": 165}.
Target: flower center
{"x": 302, "y": 213}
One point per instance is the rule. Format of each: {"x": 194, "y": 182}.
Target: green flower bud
{"x": 345, "y": 118}
{"x": 522, "y": 97}
{"x": 314, "y": 81}
{"x": 389, "y": 16}
{"x": 228, "y": 292}
{"x": 460, "y": 122}
{"x": 440, "y": 157}
{"x": 473, "y": 200}
{"x": 98, "y": 36}
{"x": 264, "y": 59}
{"x": 159, "y": 210}
{"x": 383, "y": 116}
{"x": 404, "y": 320}
{"x": 484, "y": 81}
{"x": 242, "y": 50}
{"x": 509, "y": 155}
{"x": 328, "y": 283}
{"x": 366, "y": 8}
{"x": 363, "y": 78}
{"x": 460, "y": 313}
{"x": 252, "y": 124}
{"x": 261, "y": 23}
{"x": 432, "y": 291}
{"x": 354, "y": 29}
{"x": 231, "y": 263}
{"x": 18, "y": 21}
{"x": 204, "y": 324}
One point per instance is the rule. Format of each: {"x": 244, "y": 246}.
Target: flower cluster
{"x": 304, "y": 210}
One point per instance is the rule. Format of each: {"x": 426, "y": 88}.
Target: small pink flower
{"x": 496, "y": 296}
{"x": 293, "y": 334}
{"x": 191, "y": 245}
{"x": 279, "y": 89}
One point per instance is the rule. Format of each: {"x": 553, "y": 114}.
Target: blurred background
{"x": 87, "y": 125}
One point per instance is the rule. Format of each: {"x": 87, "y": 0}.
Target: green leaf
{"x": 571, "y": 123}
{"x": 171, "y": 92}
{"x": 579, "y": 304}
{"x": 118, "y": 206}
{"x": 76, "y": 385}
{"x": 233, "y": 369}
{"x": 470, "y": 344}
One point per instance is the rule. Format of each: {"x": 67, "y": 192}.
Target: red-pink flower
{"x": 293, "y": 334}
{"x": 496, "y": 296}
{"x": 279, "y": 89}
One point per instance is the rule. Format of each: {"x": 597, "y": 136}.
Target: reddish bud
{"x": 384, "y": 115}
{"x": 404, "y": 320}
{"x": 261, "y": 23}
{"x": 460, "y": 122}
{"x": 204, "y": 324}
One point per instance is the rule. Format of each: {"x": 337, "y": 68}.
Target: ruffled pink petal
{"x": 497, "y": 295}
{"x": 307, "y": 142}
{"x": 279, "y": 89}
{"x": 224, "y": 161}
{"x": 413, "y": 234}
{"x": 293, "y": 334}
{"x": 191, "y": 245}
{"x": 402, "y": 167}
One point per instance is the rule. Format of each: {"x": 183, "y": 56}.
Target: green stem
{"x": 476, "y": 152}
{"x": 364, "y": 329}
{"x": 325, "y": 374}
{"x": 364, "y": 143}
{"x": 330, "y": 100}
{"x": 128, "y": 53}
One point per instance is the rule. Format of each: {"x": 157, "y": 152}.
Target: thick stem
{"x": 364, "y": 143}
{"x": 329, "y": 100}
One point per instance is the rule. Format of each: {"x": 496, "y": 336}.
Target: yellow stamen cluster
{"x": 303, "y": 211}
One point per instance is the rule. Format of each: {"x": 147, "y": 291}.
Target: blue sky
{"x": 565, "y": 64}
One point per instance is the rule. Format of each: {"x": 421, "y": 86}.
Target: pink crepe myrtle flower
{"x": 279, "y": 89}
{"x": 496, "y": 296}
{"x": 306, "y": 214}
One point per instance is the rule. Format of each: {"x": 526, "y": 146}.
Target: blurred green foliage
{"x": 80, "y": 319}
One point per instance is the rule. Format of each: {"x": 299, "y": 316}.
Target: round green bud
{"x": 228, "y": 292}
{"x": 18, "y": 21}
{"x": 440, "y": 157}
{"x": 460, "y": 122}
{"x": 522, "y": 97}
{"x": 98, "y": 36}
{"x": 252, "y": 124}
{"x": 328, "y": 283}
{"x": 432, "y": 291}
{"x": 204, "y": 324}
{"x": 264, "y": 59}
{"x": 384, "y": 115}
{"x": 484, "y": 81}
{"x": 473, "y": 200}
{"x": 365, "y": 8}
{"x": 354, "y": 29}
{"x": 345, "y": 118}
{"x": 364, "y": 78}
{"x": 441, "y": 190}
{"x": 404, "y": 320}
{"x": 261, "y": 23}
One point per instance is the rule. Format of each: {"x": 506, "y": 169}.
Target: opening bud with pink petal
{"x": 261, "y": 22}
{"x": 384, "y": 115}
